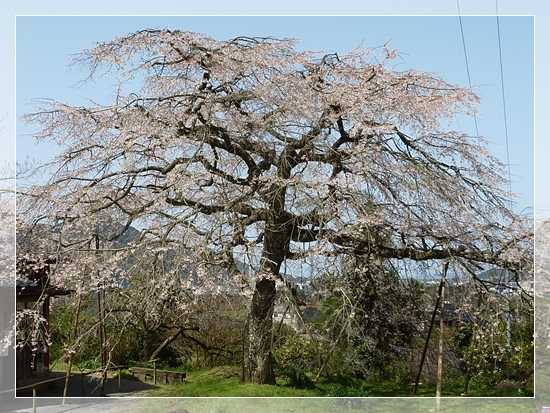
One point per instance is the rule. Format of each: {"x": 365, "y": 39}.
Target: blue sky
{"x": 427, "y": 33}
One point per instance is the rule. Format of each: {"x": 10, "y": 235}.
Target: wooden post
{"x": 119, "y": 380}
{"x": 34, "y": 399}
{"x": 441, "y": 325}
{"x": 101, "y": 323}
{"x": 46, "y": 315}
{"x": 424, "y": 352}
{"x": 155, "y": 373}
{"x": 74, "y": 337}
{"x": 65, "y": 389}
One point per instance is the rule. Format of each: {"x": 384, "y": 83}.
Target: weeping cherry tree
{"x": 250, "y": 156}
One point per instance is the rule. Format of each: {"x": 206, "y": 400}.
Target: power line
{"x": 501, "y": 82}
{"x": 466, "y": 59}
{"x": 504, "y": 101}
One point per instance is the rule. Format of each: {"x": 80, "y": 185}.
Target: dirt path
{"x": 50, "y": 397}
{"x": 88, "y": 386}
{"x": 53, "y": 405}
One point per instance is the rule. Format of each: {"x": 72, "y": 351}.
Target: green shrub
{"x": 297, "y": 378}
{"x": 294, "y": 358}
{"x": 90, "y": 364}
{"x": 339, "y": 390}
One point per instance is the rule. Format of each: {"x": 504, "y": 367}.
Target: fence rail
{"x": 103, "y": 370}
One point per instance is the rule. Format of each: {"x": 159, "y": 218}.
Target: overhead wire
{"x": 466, "y": 60}
{"x": 504, "y": 102}
{"x": 501, "y": 82}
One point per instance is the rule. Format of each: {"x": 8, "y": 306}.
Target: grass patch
{"x": 225, "y": 382}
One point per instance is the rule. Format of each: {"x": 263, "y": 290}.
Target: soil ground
{"x": 50, "y": 395}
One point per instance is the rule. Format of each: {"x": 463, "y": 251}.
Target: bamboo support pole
{"x": 34, "y": 399}
{"x": 441, "y": 340}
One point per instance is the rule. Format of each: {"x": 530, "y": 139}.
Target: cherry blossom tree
{"x": 7, "y": 257}
{"x": 542, "y": 315}
{"x": 7, "y": 279}
{"x": 251, "y": 156}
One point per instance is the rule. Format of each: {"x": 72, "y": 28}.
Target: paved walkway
{"x": 49, "y": 398}
{"x": 53, "y": 405}
{"x": 86, "y": 386}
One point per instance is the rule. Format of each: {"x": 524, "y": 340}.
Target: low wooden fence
{"x": 169, "y": 376}
{"x": 165, "y": 375}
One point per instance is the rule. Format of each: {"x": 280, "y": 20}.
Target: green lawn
{"x": 225, "y": 382}
{"x": 219, "y": 390}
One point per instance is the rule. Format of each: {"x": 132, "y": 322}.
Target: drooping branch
{"x": 469, "y": 253}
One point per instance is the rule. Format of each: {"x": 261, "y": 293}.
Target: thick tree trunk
{"x": 257, "y": 357}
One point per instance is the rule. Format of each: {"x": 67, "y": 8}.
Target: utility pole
{"x": 441, "y": 326}
{"x": 101, "y": 323}
{"x": 426, "y": 344}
